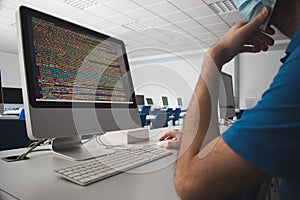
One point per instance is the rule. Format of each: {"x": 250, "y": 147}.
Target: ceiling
{"x": 148, "y": 27}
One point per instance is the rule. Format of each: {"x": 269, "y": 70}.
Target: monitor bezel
{"x": 167, "y": 100}
{"x": 149, "y": 99}
{"x": 179, "y": 101}
{"x": 137, "y": 99}
{"x": 29, "y": 60}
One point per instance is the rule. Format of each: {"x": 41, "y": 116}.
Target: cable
{"x": 100, "y": 142}
{"x": 32, "y": 146}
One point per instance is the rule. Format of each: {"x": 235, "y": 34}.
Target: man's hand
{"x": 173, "y": 139}
{"x": 243, "y": 37}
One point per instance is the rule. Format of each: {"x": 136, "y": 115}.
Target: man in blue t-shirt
{"x": 265, "y": 142}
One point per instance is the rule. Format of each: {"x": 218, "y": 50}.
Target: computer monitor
{"x": 179, "y": 101}
{"x": 75, "y": 81}
{"x": 149, "y": 101}
{"x": 165, "y": 101}
{"x": 226, "y": 98}
{"x": 140, "y": 99}
{"x": 1, "y": 97}
{"x": 12, "y": 95}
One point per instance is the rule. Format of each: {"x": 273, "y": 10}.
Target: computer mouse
{"x": 162, "y": 143}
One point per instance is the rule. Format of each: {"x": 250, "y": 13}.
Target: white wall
{"x": 172, "y": 77}
{"x": 10, "y": 71}
{"x": 256, "y": 73}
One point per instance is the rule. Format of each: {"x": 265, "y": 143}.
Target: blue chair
{"x": 13, "y": 134}
{"x": 160, "y": 120}
{"x": 22, "y": 114}
{"x": 143, "y": 119}
{"x": 176, "y": 115}
{"x": 145, "y": 110}
{"x": 169, "y": 111}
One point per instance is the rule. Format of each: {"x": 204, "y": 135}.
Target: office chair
{"x": 160, "y": 120}
{"x": 145, "y": 110}
{"x": 176, "y": 115}
{"x": 13, "y": 134}
{"x": 143, "y": 119}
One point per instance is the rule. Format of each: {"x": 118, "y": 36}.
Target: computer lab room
{"x": 87, "y": 88}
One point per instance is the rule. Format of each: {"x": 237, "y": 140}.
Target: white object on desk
{"x": 127, "y": 136}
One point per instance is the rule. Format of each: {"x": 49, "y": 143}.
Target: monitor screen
{"x": 226, "y": 98}
{"x": 12, "y": 95}
{"x": 140, "y": 100}
{"x": 149, "y": 101}
{"x": 165, "y": 101}
{"x": 179, "y": 101}
{"x": 74, "y": 78}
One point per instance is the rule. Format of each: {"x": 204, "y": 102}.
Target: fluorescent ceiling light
{"x": 81, "y": 4}
{"x": 222, "y": 6}
{"x": 136, "y": 26}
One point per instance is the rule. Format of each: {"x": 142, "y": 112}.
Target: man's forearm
{"x": 201, "y": 124}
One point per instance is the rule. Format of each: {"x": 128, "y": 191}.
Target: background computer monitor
{"x": 12, "y": 95}
{"x": 1, "y": 97}
{"x": 75, "y": 81}
{"x": 165, "y": 101}
{"x": 226, "y": 98}
{"x": 179, "y": 101}
{"x": 149, "y": 101}
{"x": 140, "y": 99}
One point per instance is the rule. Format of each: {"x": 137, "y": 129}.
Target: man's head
{"x": 286, "y": 16}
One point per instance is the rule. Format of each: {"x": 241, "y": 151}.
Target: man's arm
{"x": 216, "y": 171}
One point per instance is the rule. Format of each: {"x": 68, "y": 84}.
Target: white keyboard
{"x": 87, "y": 172}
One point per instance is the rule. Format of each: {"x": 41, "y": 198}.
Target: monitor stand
{"x": 73, "y": 148}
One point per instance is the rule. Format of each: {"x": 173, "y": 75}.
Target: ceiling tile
{"x": 7, "y": 12}
{"x": 163, "y": 8}
{"x": 231, "y": 17}
{"x": 206, "y": 36}
{"x": 197, "y": 30}
{"x": 218, "y": 27}
{"x": 140, "y": 14}
{"x": 6, "y": 21}
{"x": 63, "y": 9}
{"x": 169, "y": 27}
{"x": 154, "y": 22}
{"x": 210, "y": 1}
{"x": 220, "y": 33}
{"x": 122, "y": 6}
{"x": 146, "y": 3}
{"x": 186, "y": 4}
{"x": 121, "y": 19}
{"x": 105, "y": 24}
{"x": 85, "y": 18}
{"x": 176, "y": 17}
{"x": 7, "y": 3}
{"x": 198, "y": 12}
{"x": 188, "y": 24}
{"x": 118, "y": 30}
{"x": 102, "y": 11}
{"x": 211, "y": 19}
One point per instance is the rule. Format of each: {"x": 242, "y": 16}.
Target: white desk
{"x": 34, "y": 179}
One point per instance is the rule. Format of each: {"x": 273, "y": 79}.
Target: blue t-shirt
{"x": 268, "y": 135}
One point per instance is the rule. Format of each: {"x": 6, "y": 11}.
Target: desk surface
{"x": 35, "y": 179}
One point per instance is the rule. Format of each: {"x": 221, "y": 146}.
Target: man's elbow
{"x": 185, "y": 188}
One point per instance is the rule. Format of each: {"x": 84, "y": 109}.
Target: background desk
{"x": 34, "y": 179}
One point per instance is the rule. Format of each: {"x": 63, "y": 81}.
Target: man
{"x": 265, "y": 142}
